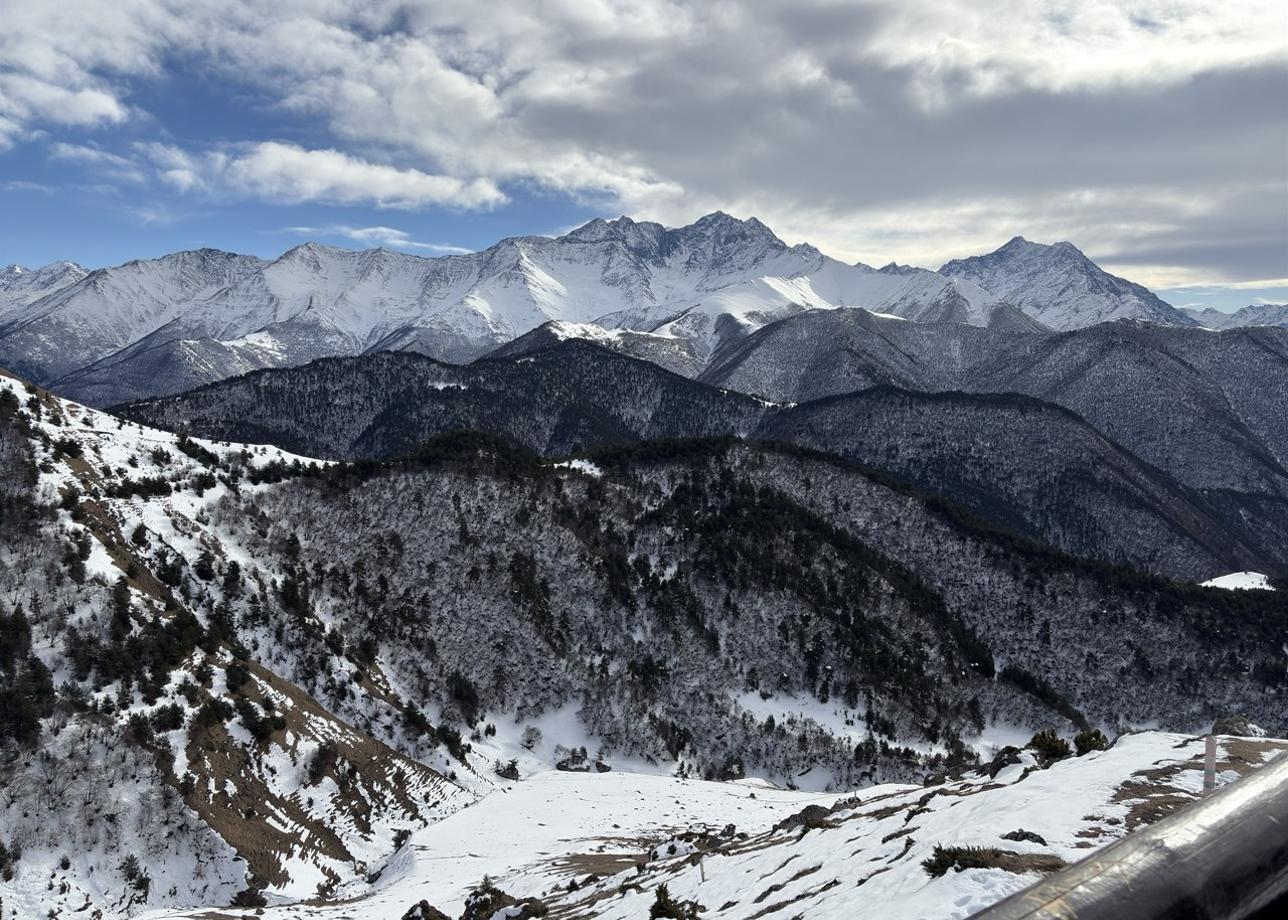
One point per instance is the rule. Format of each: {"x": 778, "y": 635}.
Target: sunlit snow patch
{"x": 1237, "y": 581}
{"x": 582, "y": 466}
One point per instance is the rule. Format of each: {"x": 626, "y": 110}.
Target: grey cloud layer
{"x": 1151, "y": 133}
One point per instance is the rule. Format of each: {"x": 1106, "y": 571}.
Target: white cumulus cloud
{"x": 388, "y": 237}
{"x": 291, "y": 174}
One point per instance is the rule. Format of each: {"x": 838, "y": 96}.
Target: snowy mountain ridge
{"x": 194, "y": 317}
{"x": 56, "y": 274}
{"x": 1257, "y": 314}
{"x": 1060, "y": 287}
{"x": 19, "y": 285}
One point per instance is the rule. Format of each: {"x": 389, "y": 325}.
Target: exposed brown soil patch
{"x": 369, "y": 776}
{"x": 580, "y": 865}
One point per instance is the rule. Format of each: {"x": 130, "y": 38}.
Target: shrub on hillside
{"x": 1049, "y": 747}
{"x": 1087, "y": 741}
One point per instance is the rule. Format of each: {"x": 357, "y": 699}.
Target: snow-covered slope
{"x": 160, "y": 363}
{"x": 1061, "y": 287}
{"x": 601, "y": 846}
{"x": 676, "y": 354}
{"x": 111, "y": 308}
{"x": 556, "y": 824}
{"x": 170, "y": 768}
{"x": 1257, "y": 314}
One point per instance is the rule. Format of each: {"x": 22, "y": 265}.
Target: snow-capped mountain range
{"x": 194, "y": 317}
{"x": 1257, "y": 314}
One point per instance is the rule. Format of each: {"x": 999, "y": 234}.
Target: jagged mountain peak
{"x": 644, "y": 239}
{"x": 1020, "y": 246}
{"x": 60, "y": 265}
{"x": 723, "y": 245}
{"x": 717, "y": 235}
{"x": 602, "y": 228}
{"x": 725, "y": 219}
{"x": 1058, "y": 285}
{"x": 728, "y": 226}
{"x": 203, "y": 254}
{"x": 808, "y": 250}
{"x": 595, "y": 228}
{"x": 894, "y": 268}
{"x": 17, "y": 277}
{"x": 313, "y": 250}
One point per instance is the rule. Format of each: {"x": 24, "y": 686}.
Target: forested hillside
{"x": 244, "y": 641}
{"x": 146, "y": 759}
{"x": 1018, "y": 463}
{"x": 1210, "y": 408}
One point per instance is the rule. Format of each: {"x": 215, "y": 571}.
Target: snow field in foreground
{"x": 863, "y": 859}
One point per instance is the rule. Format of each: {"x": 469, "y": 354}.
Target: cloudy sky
{"x": 1152, "y": 134}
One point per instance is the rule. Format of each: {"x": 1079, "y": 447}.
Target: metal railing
{"x": 1224, "y": 857}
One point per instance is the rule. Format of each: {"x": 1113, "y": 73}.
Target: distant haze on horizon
{"x": 1152, "y": 135}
